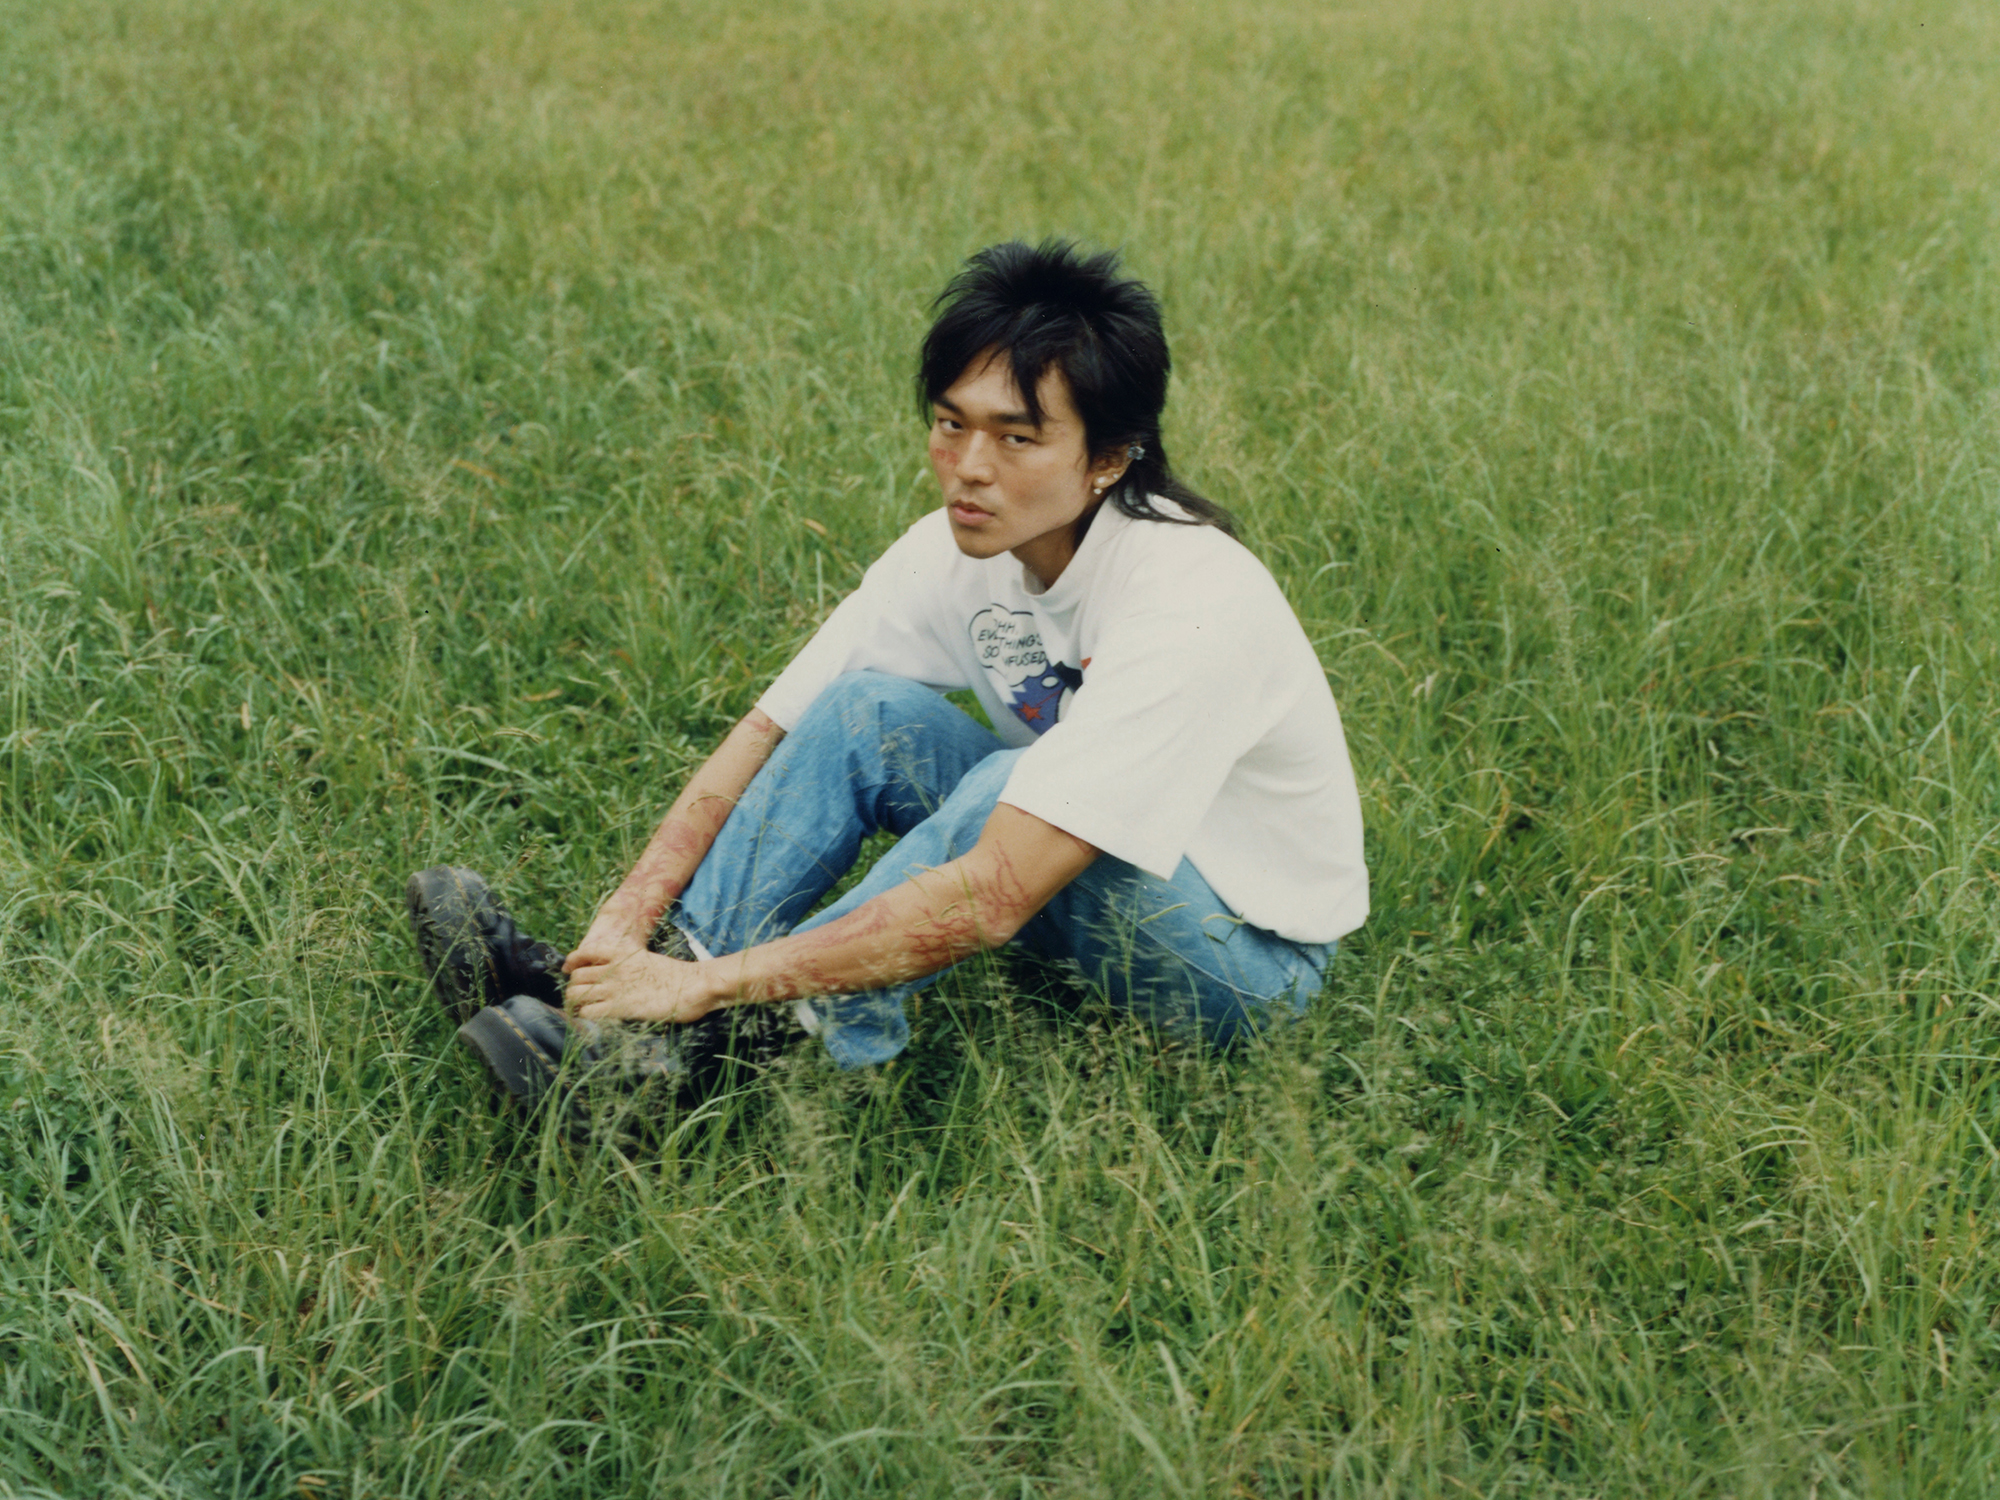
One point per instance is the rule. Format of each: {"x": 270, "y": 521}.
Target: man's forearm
{"x": 922, "y": 924}
{"x": 930, "y": 921}
{"x": 929, "y": 924}
{"x": 686, "y": 834}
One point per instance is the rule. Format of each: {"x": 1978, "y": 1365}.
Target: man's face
{"x": 1010, "y": 486}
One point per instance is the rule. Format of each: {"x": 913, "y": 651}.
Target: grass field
{"x": 423, "y": 427}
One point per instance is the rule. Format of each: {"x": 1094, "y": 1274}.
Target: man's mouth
{"x": 967, "y": 514}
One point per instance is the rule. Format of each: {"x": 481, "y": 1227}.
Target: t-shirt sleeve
{"x": 885, "y": 625}
{"x": 1177, "y": 692}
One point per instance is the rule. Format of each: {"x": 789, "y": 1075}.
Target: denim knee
{"x": 978, "y": 790}
{"x": 853, "y": 697}
{"x": 952, "y": 828}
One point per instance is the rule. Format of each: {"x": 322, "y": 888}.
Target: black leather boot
{"x": 527, "y": 1043}
{"x": 610, "y": 1077}
{"x": 472, "y": 952}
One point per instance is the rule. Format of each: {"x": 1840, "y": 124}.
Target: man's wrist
{"x": 628, "y": 918}
{"x": 714, "y": 982}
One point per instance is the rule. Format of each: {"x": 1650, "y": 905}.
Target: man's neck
{"x": 1050, "y": 555}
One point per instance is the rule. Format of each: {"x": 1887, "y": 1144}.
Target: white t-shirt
{"x": 1169, "y": 701}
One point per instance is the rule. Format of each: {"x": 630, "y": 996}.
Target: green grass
{"x": 424, "y": 427}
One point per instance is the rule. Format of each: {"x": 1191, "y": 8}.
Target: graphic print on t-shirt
{"x": 1009, "y": 646}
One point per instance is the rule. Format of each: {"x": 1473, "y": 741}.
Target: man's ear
{"x": 1107, "y": 469}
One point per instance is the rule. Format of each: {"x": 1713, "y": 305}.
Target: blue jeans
{"x": 877, "y": 752}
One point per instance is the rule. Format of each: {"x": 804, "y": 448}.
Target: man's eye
{"x": 1018, "y": 440}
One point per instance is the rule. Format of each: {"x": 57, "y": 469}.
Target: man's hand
{"x": 610, "y": 939}
{"x": 639, "y": 986}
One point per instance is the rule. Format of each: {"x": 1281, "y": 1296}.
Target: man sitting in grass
{"x": 1164, "y": 801}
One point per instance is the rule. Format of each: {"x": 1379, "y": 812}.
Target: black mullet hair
{"x": 1051, "y": 305}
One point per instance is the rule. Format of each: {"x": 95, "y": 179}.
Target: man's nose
{"x": 975, "y": 465}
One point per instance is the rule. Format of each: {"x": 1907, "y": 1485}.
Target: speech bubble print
{"x": 1008, "y": 644}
